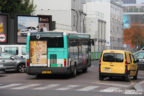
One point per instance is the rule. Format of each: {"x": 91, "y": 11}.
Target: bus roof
{"x": 59, "y": 32}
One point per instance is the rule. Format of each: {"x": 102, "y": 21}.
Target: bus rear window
{"x": 56, "y": 42}
{"x": 113, "y": 57}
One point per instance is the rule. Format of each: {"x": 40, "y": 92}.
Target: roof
{"x": 121, "y": 51}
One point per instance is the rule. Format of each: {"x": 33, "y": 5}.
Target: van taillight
{"x": 99, "y": 64}
{"x": 64, "y": 62}
{"x": 28, "y": 63}
{"x": 125, "y": 63}
{"x": 125, "y": 60}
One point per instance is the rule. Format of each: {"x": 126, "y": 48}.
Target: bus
{"x": 58, "y": 53}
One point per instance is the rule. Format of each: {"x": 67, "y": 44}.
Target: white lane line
{"x": 111, "y": 89}
{"x": 115, "y": 85}
{"x": 47, "y": 87}
{"x": 89, "y": 88}
{"x": 10, "y": 85}
{"x": 25, "y": 86}
{"x": 68, "y": 87}
{"x": 132, "y": 92}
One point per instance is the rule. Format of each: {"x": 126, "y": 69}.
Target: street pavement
{"x": 85, "y": 84}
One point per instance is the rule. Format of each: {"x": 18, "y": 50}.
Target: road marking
{"x": 111, "y": 89}
{"x": 132, "y": 92}
{"x": 26, "y": 86}
{"x": 47, "y": 87}
{"x": 116, "y": 85}
{"x": 10, "y": 85}
{"x": 89, "y": 88}
{"x": 68, "y": 87}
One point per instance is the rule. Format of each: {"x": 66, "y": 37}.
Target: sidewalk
{"x": 139, "y": 86}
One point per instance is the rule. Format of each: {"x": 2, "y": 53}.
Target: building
{"x": 133, "y": 13}
{"x": 96, "y": 25}
{"x": 104, "y": 22}
{"x": 68, "y": 14}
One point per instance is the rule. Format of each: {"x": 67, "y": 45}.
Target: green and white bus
{"x": 58, "y": 53}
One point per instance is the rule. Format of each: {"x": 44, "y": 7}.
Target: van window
{"x": 23, "y": 50}
{"x": 12, "y": 50}
{"x": 113, "y": 57}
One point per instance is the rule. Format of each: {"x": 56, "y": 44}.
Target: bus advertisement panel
{"x": 38, "y": 53}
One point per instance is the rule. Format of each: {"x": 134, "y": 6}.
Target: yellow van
{"x": 118, "y": 63}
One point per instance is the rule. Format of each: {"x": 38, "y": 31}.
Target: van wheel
{"x": 127, "y": 78}
{"x": 84, "y": 70}
{"x": 21, "y": 68}
{"x": 135, "y": 77}
{"x": 74, "y": 73}
{"x": 101, "y": 77}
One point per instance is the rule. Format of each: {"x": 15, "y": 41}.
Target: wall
{"x": 116, "y": 26}
{"x": 67, "y": 13}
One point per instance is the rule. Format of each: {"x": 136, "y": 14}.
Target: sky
{"x": 140, "y": 1}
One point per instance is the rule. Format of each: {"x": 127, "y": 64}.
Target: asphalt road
{"x": 85, "y": 84}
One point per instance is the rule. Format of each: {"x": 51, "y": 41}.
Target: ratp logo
{"x": 38, "y": 36}
{"x": 2, "y": 37}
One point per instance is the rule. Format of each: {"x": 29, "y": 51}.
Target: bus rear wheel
{"x": 84, "y": 70}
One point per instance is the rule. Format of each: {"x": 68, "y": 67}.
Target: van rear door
{"x": 113, "y": 63}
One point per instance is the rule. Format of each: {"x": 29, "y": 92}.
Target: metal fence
{"x": 96, "y": 53}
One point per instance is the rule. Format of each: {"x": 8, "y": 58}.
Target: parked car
{"x": 12, "y": 62}
{"x": 140, "y": 56}
{"x": 17, "y": 49}
{"x": 118, "y": 63}
{"x": 27, "y": 30}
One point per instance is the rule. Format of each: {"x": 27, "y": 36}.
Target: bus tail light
{"x": 64, "y": 62}
{"x": 28, "y": 63}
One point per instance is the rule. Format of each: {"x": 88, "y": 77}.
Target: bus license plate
{"x": 107, "y": 69}
{"x": 46, "y": 72}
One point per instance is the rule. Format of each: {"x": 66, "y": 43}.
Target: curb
{"x": 138, "y": 86}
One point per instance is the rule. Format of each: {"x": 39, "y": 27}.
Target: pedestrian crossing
{"x": 64, "y": 87}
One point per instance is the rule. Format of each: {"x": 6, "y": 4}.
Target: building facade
{"x": 68, "y": 14}
{"x": 111, "y": 14}
{"x": 133, "y": 14}
{"x": 96, "y": 25}
{"x": 116, "y": 30}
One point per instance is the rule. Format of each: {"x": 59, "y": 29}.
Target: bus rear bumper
{"x": 51, "y": 70}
